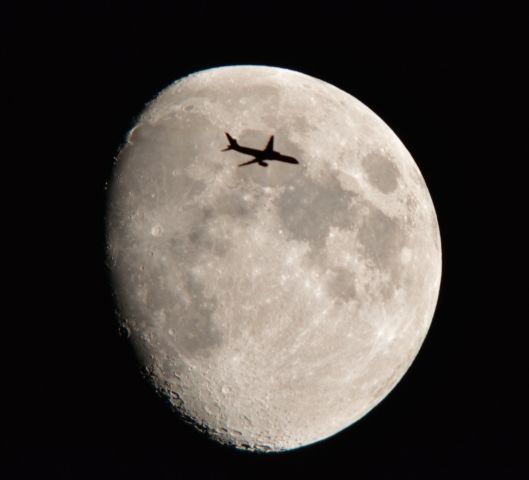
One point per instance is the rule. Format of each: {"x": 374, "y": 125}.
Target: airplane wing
{"x": 253, "y": 160}
{"x": 270, "y": 145}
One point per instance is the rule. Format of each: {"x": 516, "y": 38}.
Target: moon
{"x": 273, "y": 307}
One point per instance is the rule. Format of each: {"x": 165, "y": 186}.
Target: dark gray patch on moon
{"x": 382, "y": 239}
{"x": 202, "y": 240}
{"x": 300, "y": 124}
{"x": 156, "y": 145}
{"x": 342, "y": 284}
{"x": 232, "y": 205}
{"x": 382, "y": 173}
{"x": 183, "y": 188}
{"x": 189, "y": 314}
{"x": 297, "y": 204}
{"x": 198, "y": 239}
{"x": 197, "y": 334}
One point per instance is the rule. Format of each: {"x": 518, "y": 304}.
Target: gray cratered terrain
{"x": 272, "y": 306}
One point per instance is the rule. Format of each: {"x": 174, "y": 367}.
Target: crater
{"x": 381, "y": 172}
{"x": 156, "y": 230}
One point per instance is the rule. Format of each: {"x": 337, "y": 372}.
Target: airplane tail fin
{"x": 233, "y": 142}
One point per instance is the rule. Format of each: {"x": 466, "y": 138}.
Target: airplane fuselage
{"x": 261, "y": 155}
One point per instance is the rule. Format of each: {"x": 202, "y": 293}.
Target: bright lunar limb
{"x": 272, "y": 306}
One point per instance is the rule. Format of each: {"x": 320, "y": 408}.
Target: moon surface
{"x": 273, "y": 307}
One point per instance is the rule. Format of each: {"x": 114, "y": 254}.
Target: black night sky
{"x": 445, "y": 76}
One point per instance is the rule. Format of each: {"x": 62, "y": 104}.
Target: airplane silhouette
{"x": 259, "y": 155}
